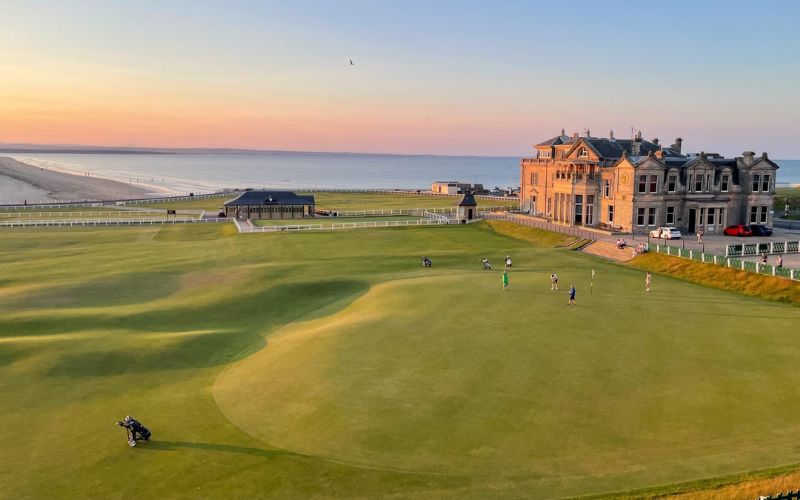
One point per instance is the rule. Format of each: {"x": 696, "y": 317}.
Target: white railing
{"x": 414, "y": 192}
{"x": 110, "y": 213}
{"x": 744, "y": 265}
{"x": 766, "y": 247}
{"x": 96, "y": 203}
{"x": 106, "y": 222}
{"x": 529, "y": 221}
{"x": 336, "y": 225}
{"x": 433, "y": 215}
{"x": 167, "y": 199}
{"x": 419, "y": 212}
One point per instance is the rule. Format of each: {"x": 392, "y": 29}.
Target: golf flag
{"x": 591, "y": 283}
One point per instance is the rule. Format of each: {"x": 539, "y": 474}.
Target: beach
{"x": 20, "y": 182}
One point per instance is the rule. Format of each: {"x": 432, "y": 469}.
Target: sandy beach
{"x": 20, "y": 182}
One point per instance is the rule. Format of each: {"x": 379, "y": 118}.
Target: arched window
{"x": 583, "y": 153}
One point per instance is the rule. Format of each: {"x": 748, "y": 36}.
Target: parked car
{"x": 738, "y": 230}
{"x": 761, "y": 230}
{"x": 667, "y": 233}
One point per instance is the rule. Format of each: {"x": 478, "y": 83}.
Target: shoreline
{"x": 21, "y": 182}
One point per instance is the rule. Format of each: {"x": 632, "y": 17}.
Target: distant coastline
{"x": 20, "y": 182}
{"x": 80, "y": 149}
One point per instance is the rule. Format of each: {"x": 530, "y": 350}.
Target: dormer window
{"x": 724, "y": 183}
{"x": 544, "y": 153}
{"x": 583, "y": 153}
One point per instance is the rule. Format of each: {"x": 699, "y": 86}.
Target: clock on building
{"x": 624, "y": 178}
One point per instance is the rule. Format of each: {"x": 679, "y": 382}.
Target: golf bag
{"x": 135, "y": 430}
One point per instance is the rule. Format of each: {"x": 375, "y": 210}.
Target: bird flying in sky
{"x": 351, "y": 63}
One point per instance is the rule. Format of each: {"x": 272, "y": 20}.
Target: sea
{"x": 202, "y": 172}
{"x": 186, "y": 172}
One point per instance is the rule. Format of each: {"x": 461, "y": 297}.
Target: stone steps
{"x": 609, "y": 250}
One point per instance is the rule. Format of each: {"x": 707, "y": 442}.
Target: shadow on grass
{"x": 243, "y": 321}
{"x": 224, "y": 448}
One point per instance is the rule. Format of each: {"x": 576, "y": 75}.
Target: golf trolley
{"x": 135, "y": 430}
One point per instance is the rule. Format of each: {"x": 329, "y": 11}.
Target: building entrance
{"x": 690, "y": 227}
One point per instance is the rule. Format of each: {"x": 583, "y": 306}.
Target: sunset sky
{"x": 484, "y": 78}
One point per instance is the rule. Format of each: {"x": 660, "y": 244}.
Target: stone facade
{"x": 637, "y": 185}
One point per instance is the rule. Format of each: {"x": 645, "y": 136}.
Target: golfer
{"x": 571, "y": 295}
{"x": 699, "y": 236}
{"x": 648, "y": 280}
{"x": 554, "y": 281}
{"x": 504, "y": 277}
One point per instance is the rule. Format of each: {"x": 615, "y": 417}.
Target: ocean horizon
{"x": 182, "y": 173}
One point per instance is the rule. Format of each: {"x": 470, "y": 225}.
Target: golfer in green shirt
{"x": 505, "y": 280}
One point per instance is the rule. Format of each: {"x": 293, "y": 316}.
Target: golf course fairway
{"x": 333, "y": 365}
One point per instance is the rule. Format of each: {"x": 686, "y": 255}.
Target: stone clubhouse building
{"x": 635, "y": 185}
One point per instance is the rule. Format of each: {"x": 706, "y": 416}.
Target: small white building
{"x": 467, "y": 208}
{"x": 449, "y": 187}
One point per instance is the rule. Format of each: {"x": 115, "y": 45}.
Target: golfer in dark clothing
{"x": 571, "y": 295}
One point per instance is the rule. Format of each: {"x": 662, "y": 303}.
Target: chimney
{"x": 574, "y": 135}
{"x": 636, "y": 144}
{"x": 588, "y": 133}
{"x": 562, "y": 133}
{"x": 747, "y": 157}
{"x": 610, "y": 135}
{"x": 764, "y": 155}
{"x": 655, "y": 141}
{"x": 677, "y": 146}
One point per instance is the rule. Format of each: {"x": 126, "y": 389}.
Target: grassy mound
{"x": 765, "y": 287}
{"x": 538, "y": 237}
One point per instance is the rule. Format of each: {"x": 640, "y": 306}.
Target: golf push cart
{"x": 135, "y": 430}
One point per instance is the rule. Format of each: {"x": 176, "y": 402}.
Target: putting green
{"x": 447, "y": 374}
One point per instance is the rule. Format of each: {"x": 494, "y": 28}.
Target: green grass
{"x": 348, "y": 201}
{"x": 374, "y": 201}
{"x": 327, "y": 221}
{"x": 784, "y": 196}
{"x": 208, "y": 204}
{"x": 323, "y": 365}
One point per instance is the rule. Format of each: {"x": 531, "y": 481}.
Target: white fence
{"x": 98, "y": 203}
{"x": 104, "y": 214}
{"x": 336, "y": 225}
{"x": 744, "y": 265}
{"x": 167, "y": 199}
{"x": 106, "y": 222}
{"x": 422, "y": 192}
{"x": 526, "y": 220}
{"x": 766, "y": 247}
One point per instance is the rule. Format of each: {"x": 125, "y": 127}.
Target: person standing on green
{"x": 505, "y": 279}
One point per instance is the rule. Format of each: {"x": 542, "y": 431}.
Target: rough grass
{"x": 765, "y": 287}
{"x": 749, "y": 487}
